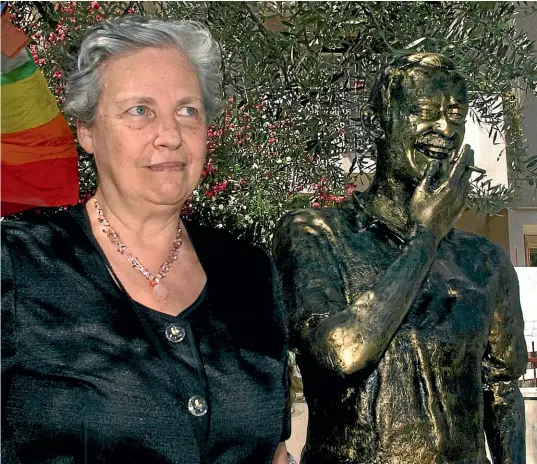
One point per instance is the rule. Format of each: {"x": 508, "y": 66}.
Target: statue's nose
{"x": 444, "y": 126}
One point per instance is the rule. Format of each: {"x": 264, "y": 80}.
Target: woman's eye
{"x": 188, "y": 111}
{"x": 138, "y": 110}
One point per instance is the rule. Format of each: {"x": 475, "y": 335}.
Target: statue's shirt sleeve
{"x": 306, "y": 257}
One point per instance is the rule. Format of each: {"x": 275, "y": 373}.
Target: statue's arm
{"x": 347, "y": 334}
{"x": 504, "y": 362}
{"x": 341, "y": 335}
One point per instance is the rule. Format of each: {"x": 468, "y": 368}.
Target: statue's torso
{"x": 424, "y": 401}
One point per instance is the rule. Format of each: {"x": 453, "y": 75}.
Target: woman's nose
{"x": 169, "y": 134}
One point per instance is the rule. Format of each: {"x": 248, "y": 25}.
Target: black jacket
{"x": 88, "y": 374}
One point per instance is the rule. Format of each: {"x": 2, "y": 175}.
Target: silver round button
{"x": 197, "y": 406}
{"x": 175, "y": 333}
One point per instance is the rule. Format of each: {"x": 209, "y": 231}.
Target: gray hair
{"x": 119, "y": 36}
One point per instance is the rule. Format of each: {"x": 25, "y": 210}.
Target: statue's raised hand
{"x": 438, "y": 203}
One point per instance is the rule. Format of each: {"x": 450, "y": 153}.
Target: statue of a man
{"x": 408, "y": 333}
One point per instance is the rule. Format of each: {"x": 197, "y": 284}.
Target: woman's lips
{"x": 168, "y": 166}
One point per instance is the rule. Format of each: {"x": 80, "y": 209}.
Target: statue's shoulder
{"x": 464, "y": 237}
{"x": 481, "y": 248}
{"x": 305, "y": 231}
{"x": 308, "y": 219}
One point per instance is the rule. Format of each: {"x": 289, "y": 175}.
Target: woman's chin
{"x": 168, "y": 198}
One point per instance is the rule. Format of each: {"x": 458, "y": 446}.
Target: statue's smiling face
{"x": 427, "y": 120}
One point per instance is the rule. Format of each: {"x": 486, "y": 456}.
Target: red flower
{"x": 220, "y": 187}
{"x": 315, "y": 204}
{"x": 33, "y": 52}
{"x": 95, "y": 5}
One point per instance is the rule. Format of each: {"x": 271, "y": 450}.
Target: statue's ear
{"x": 371, "y": 121}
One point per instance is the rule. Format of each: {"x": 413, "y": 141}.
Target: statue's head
{"x": 417, "y": 111}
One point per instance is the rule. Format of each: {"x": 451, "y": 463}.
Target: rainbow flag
{"x": 39, "y": 157}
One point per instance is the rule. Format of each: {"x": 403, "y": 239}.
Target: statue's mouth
{"x": 435, "y": 152}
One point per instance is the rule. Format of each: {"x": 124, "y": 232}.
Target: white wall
{"x": 488, "y": 155}
{"x": 527, "y": 279}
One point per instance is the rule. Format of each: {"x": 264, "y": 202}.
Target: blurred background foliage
{"x": 296, "y": 75}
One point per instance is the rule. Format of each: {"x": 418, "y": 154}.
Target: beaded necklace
{"x": 158, "y": 289}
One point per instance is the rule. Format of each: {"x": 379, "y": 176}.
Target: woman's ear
{"x": 85, "y": 137}
{"x": 371, "y": 121}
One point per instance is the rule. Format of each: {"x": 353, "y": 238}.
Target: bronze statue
{"x": 408, "y": 333}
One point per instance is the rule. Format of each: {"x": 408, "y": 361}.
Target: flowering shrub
{"x": 295, "y": 76}
{"x": 255, "y": 173}
{"x": 256, "y": 152}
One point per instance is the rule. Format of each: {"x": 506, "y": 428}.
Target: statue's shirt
{"x": 425, "y": 401}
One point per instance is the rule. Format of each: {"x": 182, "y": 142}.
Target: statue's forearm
{"x": 358, "y": 336}
{"x": 504, "y": 423}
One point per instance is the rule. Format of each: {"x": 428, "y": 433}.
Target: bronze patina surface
{"x": 408, "y": 333}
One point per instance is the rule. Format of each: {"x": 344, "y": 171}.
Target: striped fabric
{"x": 39, "y": 156}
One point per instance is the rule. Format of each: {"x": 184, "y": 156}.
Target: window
{"x": 530, "y": 247}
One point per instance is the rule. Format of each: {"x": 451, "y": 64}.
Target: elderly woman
{"x": 129, "y": 335}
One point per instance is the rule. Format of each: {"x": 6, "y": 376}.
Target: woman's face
{"x": 149, "y": 135}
